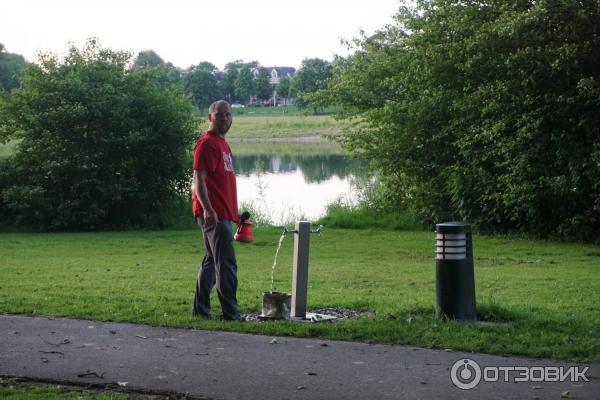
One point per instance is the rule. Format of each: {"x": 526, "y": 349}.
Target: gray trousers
{"x": 218, "y": 267}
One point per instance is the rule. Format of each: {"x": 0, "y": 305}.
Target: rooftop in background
{"x": 276, "y": 73}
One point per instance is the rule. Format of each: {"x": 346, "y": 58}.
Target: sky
{"x": 186, "y": 32}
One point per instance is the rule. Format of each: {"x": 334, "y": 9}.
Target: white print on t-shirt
{"x": 228, "y": 162}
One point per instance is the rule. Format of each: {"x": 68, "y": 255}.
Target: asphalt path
{"x": 222, "y": 365}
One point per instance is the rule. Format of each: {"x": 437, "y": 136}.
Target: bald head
{"x": 219, "y": 116}
{"x": 217, "y": 103}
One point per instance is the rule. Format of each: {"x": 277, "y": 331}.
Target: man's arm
{"x": 210, "y": 216}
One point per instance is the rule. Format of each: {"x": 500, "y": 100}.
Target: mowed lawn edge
{"x": 50, "y": 392}
{"x": 538, "y": 298}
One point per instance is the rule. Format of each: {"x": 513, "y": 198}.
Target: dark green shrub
{"x": 100, "y": 145}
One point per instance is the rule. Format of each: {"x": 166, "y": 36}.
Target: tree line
{"x": 11, "y": 67}
{"x": 102, "y": 137}
{"x": 484, "y": 111}
{"x": 204, "y": 83}
{"x": 237, "y": 83}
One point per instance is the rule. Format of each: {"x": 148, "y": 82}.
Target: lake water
{"x": 296, "y": 182}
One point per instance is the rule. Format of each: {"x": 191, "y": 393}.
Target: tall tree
{"x": 206, "y": 66}
{"x": 228, "y": 79}
{"x": 166, "y": 73}
{"x": 231, "y": 75}
{"x": 147, "y": 59}
{"x": 262, "y": 84}
{"x": 201, "y": 83}
{"x": 244, "y": 84}
{"x": 311, "y": 77}
{"x": 100, "y": 145}
{"x": 169, "y": 74}
{"x": 11, "y": 68}
{"x": 484, "y": 111}
{"x": 283, "y": 87}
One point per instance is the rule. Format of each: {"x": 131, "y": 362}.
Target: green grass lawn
{"x": 544, "y": 294}
{"x": 277, "y": 129}
{"x": 267, "y": 123}
{"x": 247, "y": 127}
{"x": 289, "y": 110}
{"x": 52, "y": 393}
{"x": 275, "y": 111}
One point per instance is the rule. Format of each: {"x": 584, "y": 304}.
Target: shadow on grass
{"x": 494, "y": 313}
{"x": 530, "y": 331}
{"x": 485, "y": 313}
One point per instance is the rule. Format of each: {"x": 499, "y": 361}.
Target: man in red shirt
{"x": 214, "y": 201}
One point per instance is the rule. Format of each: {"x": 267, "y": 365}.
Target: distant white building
{"x": 276, "y": 73}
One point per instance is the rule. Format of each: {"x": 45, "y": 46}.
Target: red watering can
{"x": 244, "y": 229}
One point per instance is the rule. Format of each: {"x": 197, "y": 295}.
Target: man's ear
{"x": 209, "y": 117}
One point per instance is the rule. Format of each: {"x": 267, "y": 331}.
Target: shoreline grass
{"x": 285, "y": 126}
{"x": 285, "y": 148}
{"x": 293, "y": 131}
{"x": 543, "y": 295}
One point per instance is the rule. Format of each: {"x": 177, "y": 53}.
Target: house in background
{"x": 276, "y": 73}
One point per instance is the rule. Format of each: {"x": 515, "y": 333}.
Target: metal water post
{"x": 300, "y": 269}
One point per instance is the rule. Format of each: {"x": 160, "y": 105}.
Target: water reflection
{"x": 281, "y": 188}
{"x": 285, "y": 197}
{"x": 315, "y": 168}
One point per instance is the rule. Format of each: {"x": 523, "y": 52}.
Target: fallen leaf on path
{"x": 91, "y": 373}
{"x": 51, "y": 352}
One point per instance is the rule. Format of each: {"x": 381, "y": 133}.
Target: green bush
{"x": 100, "y": 145}
{"x": 340, "y": 215}
{"x": 485, "y": 111}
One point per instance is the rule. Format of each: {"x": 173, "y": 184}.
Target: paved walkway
{"x": 220, "y": 365}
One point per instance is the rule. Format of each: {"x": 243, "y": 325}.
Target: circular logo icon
{"x": 465, "y": 374}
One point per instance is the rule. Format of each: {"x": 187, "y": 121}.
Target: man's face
{"x": 220, "y": 119}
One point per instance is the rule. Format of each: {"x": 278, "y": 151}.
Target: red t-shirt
{"x": 213, "y": 154}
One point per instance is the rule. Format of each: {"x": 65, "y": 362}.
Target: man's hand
{"x": 210, "y": 218}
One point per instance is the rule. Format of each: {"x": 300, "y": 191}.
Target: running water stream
{"x": 275, "y": 260}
